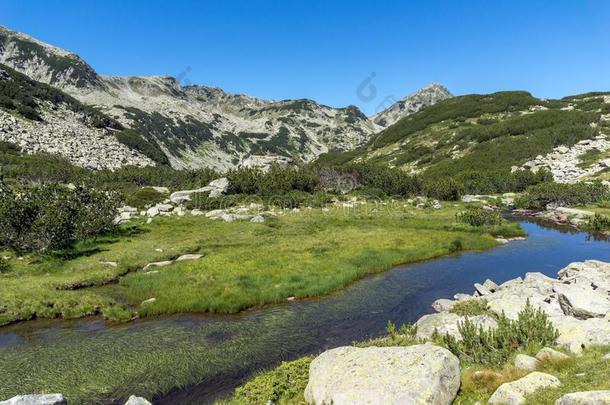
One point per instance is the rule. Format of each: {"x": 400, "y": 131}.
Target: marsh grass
{"x": 303, "y": 255}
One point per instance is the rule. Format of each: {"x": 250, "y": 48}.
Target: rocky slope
{"x": 413, "y": 103}
{"x": 195, "y": 126}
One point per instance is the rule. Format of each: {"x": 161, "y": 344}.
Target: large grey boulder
{"x": 443, "y": 304}
{"x": 585, "y": 398}
{"x": 36, "y": 399}
{"x": 551, "y": 354}
{"x": 581, "y": 302}
{"x": 513, "y": 393}
{"x": 420, "y": 374}
{"x": 133, "y": 400}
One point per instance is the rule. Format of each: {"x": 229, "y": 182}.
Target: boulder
{"x": 447, "y": 322}
{"x": 152, "y": 212}
{"x": 221, "y": 184}
{"x": 420, "y": 374}
{"x": 525, "y": 362}
{"x": 164, "y": 207}
{"x": 585, "y": 398}
{"x": 481, "y": 289}
{"x": 550, "y": 354}
{"x": 133, "y": 400}
{"x": 443, "y": 305}
{"x": 258, "y": 219}
{"x": 36, "y": 399}
{"x": 581, "y": 302}
{"x": 513, "y": 393}
{"x": 576, "y": 334}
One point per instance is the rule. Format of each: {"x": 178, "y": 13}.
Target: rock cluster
{"x": 58, "y": 399}
{"x": 563, "y": 161}
{"x": 64, "y": 133}
{"x": 577, "y": 303}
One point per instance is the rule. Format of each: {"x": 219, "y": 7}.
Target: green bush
{"x": 51, "y": 217}
{"x": 5, "y": 266}
{"x": 470, "y": 308}
{"x": 556, "y": 194}
{"x": 444, "y": 189}
{"x": 143, "y": 197}
{"x": 476, "y": 216}
{"x": 495, "y": 346}
{"x": 598, "y": 223}
{"x": 282, "y": 385}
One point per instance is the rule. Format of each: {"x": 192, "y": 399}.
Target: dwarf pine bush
{"x": 494, "y": 346}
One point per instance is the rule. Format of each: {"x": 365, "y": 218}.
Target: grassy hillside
{"x": 483, "y": 132}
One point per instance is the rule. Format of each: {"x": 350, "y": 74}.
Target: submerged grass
{"x": 298, "y": 255}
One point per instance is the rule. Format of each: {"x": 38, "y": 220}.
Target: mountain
{"x": 506, "y": 131}
{"x": 200, "y": 126}
{"x": 413, "y": 103}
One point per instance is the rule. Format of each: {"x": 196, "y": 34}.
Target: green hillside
{"x": 482, "y": 132}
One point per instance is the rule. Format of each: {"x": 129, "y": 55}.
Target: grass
{"x": 302, "y": 255}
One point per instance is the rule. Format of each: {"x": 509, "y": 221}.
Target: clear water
{"x": 232, "y": 347}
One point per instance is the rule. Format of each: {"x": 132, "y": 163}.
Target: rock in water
{"x": 513, "y": 393}
{"x": 585, "y": 398}
{"x": 420, "y": 374}
{"x": 34, "y": 399}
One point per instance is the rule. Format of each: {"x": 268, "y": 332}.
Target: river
{"x": 222, "y": 351}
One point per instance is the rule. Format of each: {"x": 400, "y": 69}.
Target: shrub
{"x": 598, "y": 223}
{"x": 444, "y": 189}
{"x": 556, "y": 194}
{"x": 4, "y": 265}
{"x": 495, "y": 346}
{"x": 284, "y": 384}
{"x": 52, "y": 217}
{"x": 470, "y": 308}
{"x": 476, "y": 216}
{"x": 144, "y": 197}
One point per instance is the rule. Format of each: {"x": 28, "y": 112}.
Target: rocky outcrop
{"x": 563, "y": 162}
{"x": 577, "y": 303}
{"x": 513, "y": 393}
{"x": 446, "y": 322}
{"x": 412, "y": 103}
{"x": 421, "y": 374}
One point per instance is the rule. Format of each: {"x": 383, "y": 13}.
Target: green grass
{"x": 299, "y": 255}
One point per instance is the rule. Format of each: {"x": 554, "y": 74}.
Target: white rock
{"x": 513, "y": 393}
{"x": 550, "y": 354}
{"x": 157, "y": 264}
{"x": 36, "y": 399}
{"x": 152, "y": 212}
{"x": 189, "y": 257}
{"x": 133, "y": 400}
{"x": 148, "y": 301}
{"x": 585, "y": 398}
{"x": 443, "y": 305}
{"x": 525, "y": 362}
{"x": 582, "y": 302}
{"x": 420, "y": 374}
{"x": 447, "y": 322}
{"x": 258, "y": 219}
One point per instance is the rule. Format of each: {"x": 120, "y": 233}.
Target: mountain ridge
{"x": 202, "y": 126}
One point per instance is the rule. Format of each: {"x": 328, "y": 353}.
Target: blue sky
{"x": 325, "y": 50}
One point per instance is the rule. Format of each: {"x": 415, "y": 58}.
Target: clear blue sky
{"x": 323, "y": 50}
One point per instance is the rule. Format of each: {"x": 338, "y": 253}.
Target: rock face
{"x": 34, "y": 399}
{"x": 585, "y": 398}
{"x": 415, "y": 102}
{"x": 421, "y": 374}
{"x": 513, "y": 393}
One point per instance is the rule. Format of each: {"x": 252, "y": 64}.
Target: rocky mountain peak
{"x": 425, "y": 97}
{"x": 45, "y": 63}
